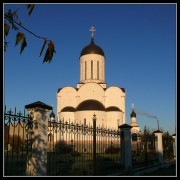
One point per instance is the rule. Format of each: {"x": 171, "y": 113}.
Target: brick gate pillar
{"x": 37, "y": 157}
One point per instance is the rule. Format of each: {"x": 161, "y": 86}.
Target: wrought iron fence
{"x": 70, "y": 149}
{"x": 73, "y": 149}
{"x": 17, "y": 142}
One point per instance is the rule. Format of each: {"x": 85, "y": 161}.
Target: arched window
{"x": 50, "y": 137}
{"x": 134, "y": 137}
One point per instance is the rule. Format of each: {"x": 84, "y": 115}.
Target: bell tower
{"x": 92, "y": 63}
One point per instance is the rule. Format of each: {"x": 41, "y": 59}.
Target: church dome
{"x": 133, "y": 114}
{"x": 52, "y": 114}
{"x": 90, "y": 105}
{"x": 92, "y": 48}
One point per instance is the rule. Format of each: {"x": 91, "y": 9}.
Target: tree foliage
{"x": 12, "y": 22}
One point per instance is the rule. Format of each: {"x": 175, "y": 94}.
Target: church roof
{"x": 133, "y": 114}
{"x": 92, "y": 48}
{"x": 113, "y": 108}
{"x": 68, "y": 109}
{"x": 52, "y": 114}
{"x": 90, "y": 105}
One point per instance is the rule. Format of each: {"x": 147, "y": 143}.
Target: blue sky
{"x": 139, "y": 42}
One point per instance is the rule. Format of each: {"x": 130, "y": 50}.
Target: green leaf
{"x": 45, "y": 41}
{"x": 23, "y": 44}
{"x": 49, "y": 53}
{"x": 30, "y": 7}
{"x": 19, "y": 37}
{"x": 6, "y": 29}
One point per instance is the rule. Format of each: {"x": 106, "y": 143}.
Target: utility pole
{"x": 158, "y": 123}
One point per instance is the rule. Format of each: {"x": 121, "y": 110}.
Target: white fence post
{"x": 159, "y": 145}
{"x": 174, "y": 145}
{"x": 125, "y": 134}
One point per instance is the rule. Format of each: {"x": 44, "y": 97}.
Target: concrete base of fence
{"x": 151, "y": 168}
{"x": 140, "y": 171}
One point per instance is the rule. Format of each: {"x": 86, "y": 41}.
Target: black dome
{"x": 68, "y": 109}
{"x": 113, "y": 108}
{"x": 133, "y": 114}
{"x": 92, "y": 48}
{"x": 52, "y": 114}
{"x": 90, "y": 105}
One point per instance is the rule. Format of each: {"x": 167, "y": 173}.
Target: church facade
{"x": 92, "y": 95}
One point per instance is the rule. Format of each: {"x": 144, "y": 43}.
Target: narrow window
{"x": 85, "y": 69}
{"x": 98, "y": 70}
{"x": 50, "y": 137}
{"x": 91, "y": 69}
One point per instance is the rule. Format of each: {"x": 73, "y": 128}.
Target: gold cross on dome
{"x": 92, "y": 30}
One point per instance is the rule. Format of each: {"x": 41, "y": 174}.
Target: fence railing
{"x": 72, "y": 149}
{"x": 17, "y": 142}
{"x": 69, "y": 147}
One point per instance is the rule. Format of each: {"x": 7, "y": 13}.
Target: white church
{"x": 92, "y": 95}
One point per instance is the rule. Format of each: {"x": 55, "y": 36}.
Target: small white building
{"x": 135, "y": 128}
{"x": 92, "y": 95}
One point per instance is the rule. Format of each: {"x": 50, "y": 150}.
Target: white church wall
{"x": 113, "y": 97}
{"x": 66, "y": 116}
{"x": 114, "y": 119}
{"x": 91, "y": 91}
{"x": 88, "y": 115}
{"x": 136, "y": 129}
{"x": 66, "y": 97}
{"x": 86, "y": 77}
{"x": 133, "y": 121}
{"x": 123, "y": 99}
